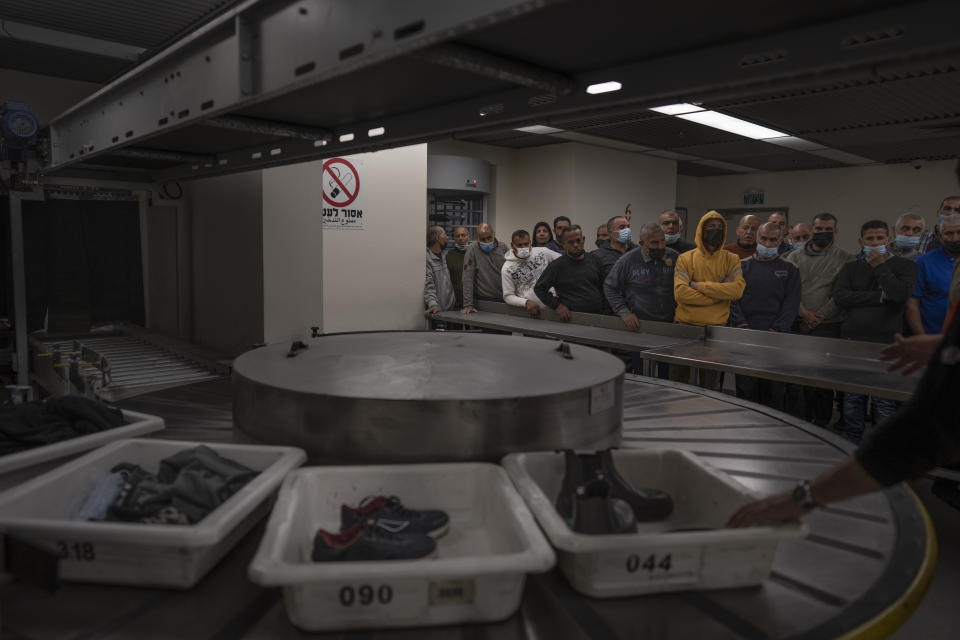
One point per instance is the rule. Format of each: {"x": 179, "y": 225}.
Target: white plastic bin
{"x": 476, "y": 575}
{"x": 18, "y": 467}
{"x": 134, "y": 553}
{"x": 689, "y": 550}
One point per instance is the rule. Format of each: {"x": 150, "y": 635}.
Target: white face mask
{"x": 523, "y": 252}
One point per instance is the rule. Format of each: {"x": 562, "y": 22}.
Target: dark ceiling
{"x": 854, "y": 76}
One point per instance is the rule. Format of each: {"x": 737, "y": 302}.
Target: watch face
{"x": 800, "y": 494}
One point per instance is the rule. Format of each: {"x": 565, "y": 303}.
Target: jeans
{"x": 855, "y": 410}
{"x": 781, "y": 396}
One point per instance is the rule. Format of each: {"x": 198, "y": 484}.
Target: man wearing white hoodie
{"x": 522, "y": 269}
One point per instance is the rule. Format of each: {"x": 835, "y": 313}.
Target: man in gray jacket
{"x": 482, "y": 265}
{"x": 438, "y": 289}
{"x": 819, "y": 261}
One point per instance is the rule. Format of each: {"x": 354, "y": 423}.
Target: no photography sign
{"x": 342, "y": 204}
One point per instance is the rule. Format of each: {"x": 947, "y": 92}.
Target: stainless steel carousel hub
{"x": 408, "y": 397}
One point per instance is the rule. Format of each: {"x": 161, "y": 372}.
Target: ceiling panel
{"x": 207, "y": 140}
{"x": 663, "y": 132}
{"x": 908, "y": 100}
{"x": 52, "y": 61}
{"x": 700, "y": 170}
{"x": 611, "y": 32}
{"x": 513, "y": 139}
{"x": 939, "y": 148}
{"x": 143, "y": 23}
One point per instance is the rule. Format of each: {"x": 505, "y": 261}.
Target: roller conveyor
{"x": 864, "y": 566}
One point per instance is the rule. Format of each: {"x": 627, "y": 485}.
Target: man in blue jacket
{"x": 770, "y": 302}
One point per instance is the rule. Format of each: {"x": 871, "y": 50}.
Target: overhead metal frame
{"x": 266, "y": 49}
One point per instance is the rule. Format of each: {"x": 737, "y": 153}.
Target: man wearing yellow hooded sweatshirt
{"x": 706, "y": 280}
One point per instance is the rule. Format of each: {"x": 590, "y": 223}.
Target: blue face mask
{"x": 625, "y": 235}
{"x": 487, "y": 247}
{"x": 908, "y": 242}
{"x": 672, "y": 237}
{"x": 766, "y": 252}
{"x": 798, "y": 245}
{"x": 882, "y": 249}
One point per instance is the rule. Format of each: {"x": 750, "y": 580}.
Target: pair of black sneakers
{"x": 595, "y": 499}
{"x": 381, "y": 528}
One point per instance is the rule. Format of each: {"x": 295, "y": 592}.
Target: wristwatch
{"x": 803, "y": 496}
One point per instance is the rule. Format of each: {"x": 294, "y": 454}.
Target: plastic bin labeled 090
{"x": 476, "y": 574}
{"x": 689, "y": 550}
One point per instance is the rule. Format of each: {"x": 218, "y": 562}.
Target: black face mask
{"x": 657, "y": 254}
{"x": 822, "y": 239}
{"x": 713, "y": 237}
{"x": 953, "y": 246}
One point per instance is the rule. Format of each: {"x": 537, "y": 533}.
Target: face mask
{"x": 823, "y": 239}
{"x": 766, "y": 252}
{"x": 952, "y": 246}
{"x": 625, "y": 235}
{"x": 907, "y": 242}
{"x": 523, "y": 252}
{"x": 798, "y": 245}
{"x": 713, "y": 237}
{"x": 672, "y": 237}
{"x": 868, "y": 250}
{"x": 657, "y": 254}
{"x": 487, "y": 247}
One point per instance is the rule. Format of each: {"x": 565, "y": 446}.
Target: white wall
{"x": 585, "y": 183}
{"x": 853, "y": 194}
{"x": 292, "y": 252}
{"x": 372, "y": 279}
{"x": 606, "y": 181}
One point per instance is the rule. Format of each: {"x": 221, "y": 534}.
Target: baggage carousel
{"x": 862, "y": 570}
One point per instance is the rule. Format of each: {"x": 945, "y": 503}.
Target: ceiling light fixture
{"x": 604, "y": 87}
{"x": 677, "y": 109}
{"x": 539, "y": 128}
{"x": 740, "y": 127}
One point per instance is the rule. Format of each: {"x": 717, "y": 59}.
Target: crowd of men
{"x": 774, "y": 277}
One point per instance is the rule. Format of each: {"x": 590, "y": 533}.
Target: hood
{"x": 709, "y": 215}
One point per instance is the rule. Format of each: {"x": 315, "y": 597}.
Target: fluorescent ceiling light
{"x": 347, "y": 137}
{"x": 740, "y": 127}
{"x": 604, "y": 87}
{"x": 539, "y": 128}
{"x": 677, "y": 109}
{"x": 378, "y": 131}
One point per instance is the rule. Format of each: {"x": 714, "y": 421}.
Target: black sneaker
{"x": 367, "y": 540}
{"x": 392, "y": 514}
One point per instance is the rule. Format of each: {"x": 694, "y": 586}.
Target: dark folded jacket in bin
{"x": 34, "y": 424}
{"x": 188, "y": 486}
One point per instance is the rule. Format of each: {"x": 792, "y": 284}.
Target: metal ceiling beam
{"x": 815, "y": 55}
{"x": 266, "y": 127}
{"x": 463, "y": 58}
{"x": 159, "y": 154}
{"x": 259, "y": 50}
{"x": 72, "y": 41}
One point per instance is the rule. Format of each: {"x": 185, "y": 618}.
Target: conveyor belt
{"x": 842, "y": 365}
{"x": 130, "y": 365}
{"x": 864, "y": 567}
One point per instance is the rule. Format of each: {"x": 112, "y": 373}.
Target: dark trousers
{"x": 781, "y": 396}
{"x": 819, "y": 402}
